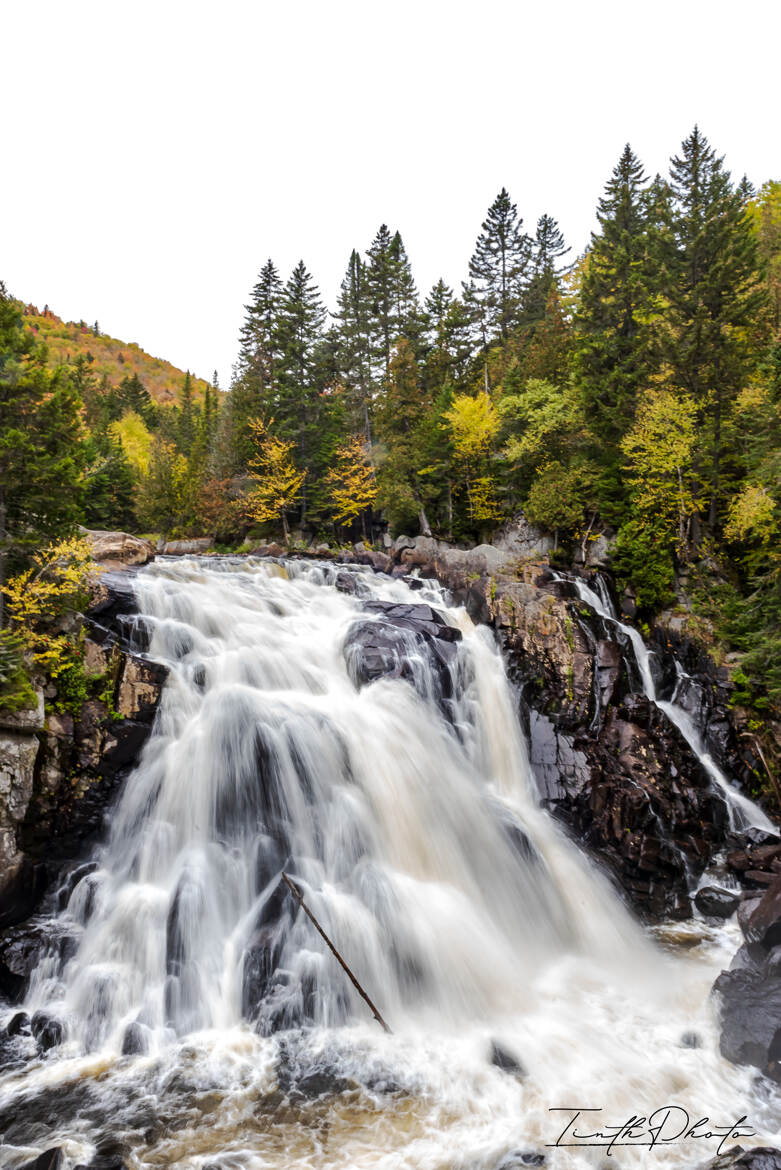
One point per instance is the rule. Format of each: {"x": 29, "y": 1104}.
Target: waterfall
{"x": 742, "y": 812}
{"x": 405, "y": 810}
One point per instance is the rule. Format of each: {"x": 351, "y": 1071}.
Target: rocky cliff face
{"x": 608, "y": 762}
{"x": 57, "y": 772}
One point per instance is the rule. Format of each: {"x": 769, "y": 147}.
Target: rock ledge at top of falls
{"x": 118, "y": 549}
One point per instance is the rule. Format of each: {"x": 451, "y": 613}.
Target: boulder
{"x": 714, "y": 902}
{"x": 119, "y": 548}
{"x": 758, "y": 1158}
{"x": 750, "y": 992}
{"x": 522, "y": 539}
{"x": 192, "y": 547}
{"x": 413, "y": 642}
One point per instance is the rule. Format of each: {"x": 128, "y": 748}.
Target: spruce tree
{"x": 436, "y": 306}
{"x": 547, "y": 251}
{"x": 354, "y": 348}
{"x": 186, "y": 428}
{"x": 499, "y": 266}
{"x": 382, "y": 299}
{"x": 410, "y": 322}
{"x": 258, "y": 337}
{"x": 41, "y": 451}
{"x": 610, "y": 360}
{"x": 713, "y": 290}
{"x": 302, "y": 316}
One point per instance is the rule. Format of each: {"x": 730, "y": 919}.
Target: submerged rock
{"x": 47, "y": 1031}
{"x": 503, "y": 1059}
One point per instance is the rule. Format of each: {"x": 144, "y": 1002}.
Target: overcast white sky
{"x": 154, "y": 154}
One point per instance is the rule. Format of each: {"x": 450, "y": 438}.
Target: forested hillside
{"x": 633, "y": 392}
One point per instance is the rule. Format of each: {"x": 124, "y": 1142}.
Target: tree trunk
{"x": 285, "y": 529}
{"x": 425, "y": 527}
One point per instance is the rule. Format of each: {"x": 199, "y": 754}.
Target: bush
{"x": 16, "y": 693}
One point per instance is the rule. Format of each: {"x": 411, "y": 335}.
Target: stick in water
{"x": 300, "y": 899}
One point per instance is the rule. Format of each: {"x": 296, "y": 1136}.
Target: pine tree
{"x": 610, "y": 358}
{"x": 714, "y": 293}
{"x": 41, "y": 451}
{"x": 410, "y": 322}
{"x": 258, "y": 337}
{"x": 547, "y": 250}
{"x": 186, "y": 426}
{"x": 301, "y": 320}
{"x": 437, "y": 304}
{"x": 382, "y": 301}
{"x": 499, "y": 266}
{"x": 355, "y": 353}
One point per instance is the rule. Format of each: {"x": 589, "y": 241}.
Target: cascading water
{"x": 742, "y": 811}
{"x": 406, "y": 812}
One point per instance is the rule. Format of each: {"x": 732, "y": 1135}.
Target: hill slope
{"x": 67, "y": 340}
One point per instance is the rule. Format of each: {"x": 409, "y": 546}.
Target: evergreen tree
{"x": 258, "y": 337}
{"x": 382, "y": 299}
{"x": 41, "y": 452}
{"x": 301, "y": 320}
{"x": 547, "y": 250}
{"x": 186, "y": 426}
{"x": 499, "y": 267}
{"x": 713, "y": 291}
{"x": 108, "y": 484}
{"x": 132, "y": 394}
{"x": 355, "y": 352}
{"x": 611, "y": 360}
{"x": 437, "y": 304}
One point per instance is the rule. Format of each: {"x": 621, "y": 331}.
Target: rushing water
{"x": 742, "y": 811}
{"x": 413, "y": 828}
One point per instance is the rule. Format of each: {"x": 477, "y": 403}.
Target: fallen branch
{"x": 300, "y": 899}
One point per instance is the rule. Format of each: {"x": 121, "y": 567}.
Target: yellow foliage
{"x": 54, "y": 585}
{"x": 351, "y": 484}
{"x": 660, "y": 451}
{"x": 278, "y": 482}
{"x": 136, "y": 439}
{"x": 473, "y": 424}
{"x": 752, "y": 515}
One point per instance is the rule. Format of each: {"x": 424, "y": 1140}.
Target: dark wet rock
{"x": 345, "y": 582}
{"x": 394, "y": 641}
{"x": 763, "y": 927}
{"x": 134, "y": 1041}
{"x": 750, "y": 992}
{"x": 745, "y": 910}
{"x": 691, "y": 1040}
{"x": 301, "y": 1080}
{"x": 633, "y": 792}
{"x": 759, "y": 1158}
{"x": 52, "y": 1159}
{"x": 515, "y": 1159}
{"x": 18, "y": 1024}
{"x": 503, "y": 1059}
{"x": 47, "y": 1031}
{"x": 714, "y": 902}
